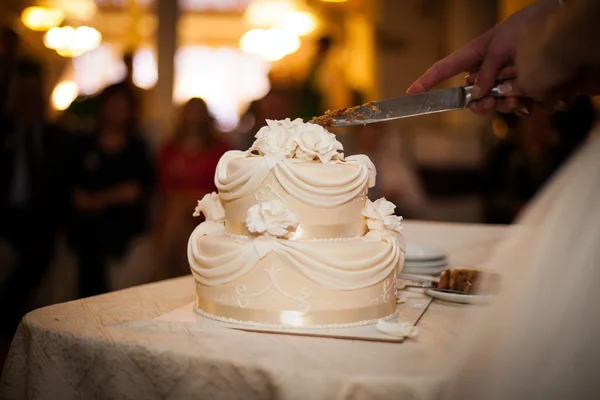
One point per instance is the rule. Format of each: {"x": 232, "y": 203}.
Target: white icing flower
{"x": 287, "y": 138}
{"x": 211, "y": 207}
{"x": 277, "y": 138}
{"x": 381, "y": 219}
{"x": 271, "y": 218}
{"x": 314, "y": 141}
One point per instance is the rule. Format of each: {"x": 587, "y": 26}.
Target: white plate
{"x": 423, "y": 252}
{"x": 426, "y": 264}
{"x": 458, "y": 298}
{"x": 417, "y": 277}
{"x": 424, "y": 271}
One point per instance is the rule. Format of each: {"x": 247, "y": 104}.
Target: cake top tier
{"x": 298, "y": 140}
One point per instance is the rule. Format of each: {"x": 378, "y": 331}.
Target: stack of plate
{"x": 424, "y": 260}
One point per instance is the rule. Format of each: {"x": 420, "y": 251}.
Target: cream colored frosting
{"x": 318, "y": 194}
{"x": 363, "y": 263}
{"x": 291, "y": 237}
{"x": 265, "y": 279}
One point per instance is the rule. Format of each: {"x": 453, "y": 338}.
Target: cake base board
{"x": 414, "y": 306}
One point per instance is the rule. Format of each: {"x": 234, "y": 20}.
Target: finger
{"x": 525, "y": 108}
{"x": 488, "y": 104}
{"x": 461, "y": 60}
{"x": 488, "y": 74}
{"x": 476, "y": 109}
{"x": 483, "y": 106}
{"x": 522, "y": 113}
{"x": 508, "y": 72}
{"x": 466, "y": 81}
{"x": 507, "y": 105}
{"x": 471, "y": 78}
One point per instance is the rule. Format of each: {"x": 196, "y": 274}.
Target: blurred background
{"x": 114, "y": 113}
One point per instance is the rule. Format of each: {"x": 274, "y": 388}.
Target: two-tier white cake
{"x": 291, "y": 238}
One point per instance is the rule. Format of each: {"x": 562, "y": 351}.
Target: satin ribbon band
{"x": 296, "y": 318}
{"x": 304, "y": 231}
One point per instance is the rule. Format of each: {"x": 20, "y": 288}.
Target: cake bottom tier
{"x": 278, "y": 288}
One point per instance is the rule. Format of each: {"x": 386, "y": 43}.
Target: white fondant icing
{"x": 389, "y": 287}
{"x": 307, "y": 187}
{"x": 211, "y": 207}
{"x": 270, "y": 188}
{"x": 328, "y": 271}
{"x": 366, "y": 161}
{"x": 243, "y": 297}
{"x": 309, "y": 240}
{"x": 328, "y": 326}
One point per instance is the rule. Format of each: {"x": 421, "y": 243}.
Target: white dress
{"x": 541, "y": 338}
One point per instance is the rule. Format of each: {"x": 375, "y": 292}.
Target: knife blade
{"x": 432, "y": 102}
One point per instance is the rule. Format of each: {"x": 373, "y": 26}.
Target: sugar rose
{"x": 315, "y": 142}
{"x": 381, "y": 219}
{"x": 277, "y": 138}
{"x": 271, "y": 218}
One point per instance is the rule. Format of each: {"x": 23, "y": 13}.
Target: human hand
{"x": 516, "y": 99}
{"x": 487, "y": 58}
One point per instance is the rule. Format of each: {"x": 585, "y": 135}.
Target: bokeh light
{"x": 299, "y": 22}
{"x": 72, "y": 42}
{"x": 226, "y": 78}
{"x": 42, "y": 18}
{"x": 64, "y": 94}
{"x": 145, "y": 69}
{"x": 272, "y": 44}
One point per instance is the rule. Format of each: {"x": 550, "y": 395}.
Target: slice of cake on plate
{"x": 291, "y": 238}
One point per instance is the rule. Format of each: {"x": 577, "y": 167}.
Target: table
{"x": 110, "y": 346}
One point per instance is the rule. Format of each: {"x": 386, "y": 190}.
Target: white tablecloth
{"x": 109, "y": 346}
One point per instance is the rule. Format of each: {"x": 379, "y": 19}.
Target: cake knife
{"x": 431, "y": 102}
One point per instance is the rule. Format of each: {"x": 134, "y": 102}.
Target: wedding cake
{"x": 291, "y": 238}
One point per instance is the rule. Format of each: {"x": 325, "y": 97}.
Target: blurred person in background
{"x": 9, "y": 57}
{"x": 324, "y": 86}
{"x": 519, "y": 165}
{"x": 128, "y": 84}
{"x": 111, "y": 177}
{"x": 32, "y": 188}
{"x": 276, "y": 104}
{"x": 80, "y": 116}
{"x": 396, "y": 181}
{"x": 186, "y": 170}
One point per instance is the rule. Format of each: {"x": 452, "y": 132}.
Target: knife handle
{"x": 495, "y": 92}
